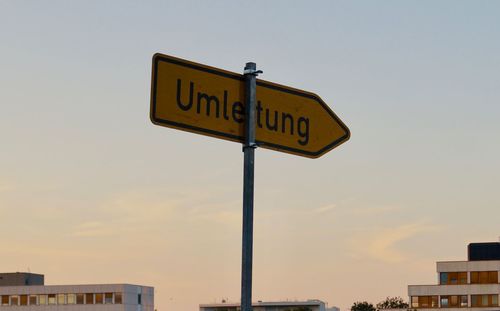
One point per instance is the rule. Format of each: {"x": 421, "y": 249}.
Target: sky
{"x": 92, "y": 192}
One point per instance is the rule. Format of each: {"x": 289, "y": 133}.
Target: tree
{"x": 363, "y": 306}
{"x": 392, "y": 303}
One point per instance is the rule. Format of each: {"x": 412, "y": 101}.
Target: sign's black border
{"x": 165, "y": 58}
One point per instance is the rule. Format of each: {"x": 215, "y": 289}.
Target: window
{"x": 112, "y": 298}
{"x": 71, "y": 299}
{"x": 79, "y": 299}
{"x": 474, "y": 301}
{"x": 484, "y": 300}
{"x": 492, "y": 277}
{"x": 14, "y": 300}
{"x": 434, "y": 301}
{"x": 108, "y": 298}
{"x": 443, "y": 278}
{"x": 453, "y": 301}
{"x": 61, "y": 299}
{"x": 139, "y": 299}
{"x": 99, "y": 298}
{"x": 452, "y": 278}
{"x": 42, "y": 299}
{"x": 484, "y": 277}
{"x": 462, "y": 278}
{"x": 444, "y": 301}
{"x": 52, "y": 299}
{"x": 118, "y": 298}
{"x": 474, "y": 277}
{"x": 24, "y": 300}
{"x": 424, "y": 301}
{"x": 463, "y": 301}
{"x": 89, "y": 299}
{"x": 414, "y": 301}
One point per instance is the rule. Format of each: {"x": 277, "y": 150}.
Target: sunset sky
{"x": 92, "y": 192}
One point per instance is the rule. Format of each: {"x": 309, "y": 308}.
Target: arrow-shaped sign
{"x": 210, "y": 101}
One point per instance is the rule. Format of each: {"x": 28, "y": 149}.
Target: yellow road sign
{"x": 211, "y": 101}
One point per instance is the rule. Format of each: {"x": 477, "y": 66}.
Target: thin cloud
{"x": 383, "y": 245}
{"x": 93, "y": 229}
{"x": 144, "y": 211}
{"x": 325, "y": 209}
{"x": 369, "y": 211}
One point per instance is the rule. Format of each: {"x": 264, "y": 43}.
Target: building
{"x": 27, "y": 292}
{"x": 18, "y": 278}
{"x": 308, "y": 305}
{"x": 471, "y": 284}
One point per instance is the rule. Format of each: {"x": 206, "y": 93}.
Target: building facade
{"x": 106, "y": 297}
{"x": 472, "y": 284}
{"x": 308, "y": 305}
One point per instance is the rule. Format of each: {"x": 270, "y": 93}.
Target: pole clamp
{"x": 250, "y": 145}
{"x": 252, "y": 72}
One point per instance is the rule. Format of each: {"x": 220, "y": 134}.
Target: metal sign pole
{"x": 250, "y": 73}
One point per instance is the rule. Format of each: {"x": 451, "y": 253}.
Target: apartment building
{"x": 471, "y": 284}
{"x": 27, "y": 292}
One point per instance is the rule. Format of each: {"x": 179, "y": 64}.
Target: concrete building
{"x": 19, "y": 278}
{"x": 308, "y": 305}
{"x": 17, "y": 294}
{"x": 471, "y": 284}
